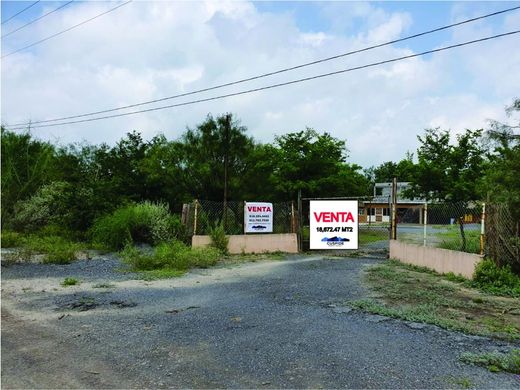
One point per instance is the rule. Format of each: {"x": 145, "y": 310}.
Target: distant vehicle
{"x": 335, "y": 239}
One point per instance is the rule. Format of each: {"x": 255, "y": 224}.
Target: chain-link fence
{"x": 502, "y": 235}
{"x": 201, "y": 216}
{"x": 455, "y": 226}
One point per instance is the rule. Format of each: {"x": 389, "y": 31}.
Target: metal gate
{"x": 374, "y": 226}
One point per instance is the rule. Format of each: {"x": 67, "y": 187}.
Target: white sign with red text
{"x": 258, "y": 217}
{"x": 333, "y": 224}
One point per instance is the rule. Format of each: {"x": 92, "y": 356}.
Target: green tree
{"x": 385, "y": 172}
{"x": 503, "y": 173}
{"x": 448, "y": 171}
{"x": 315, "y": 164}
{"x": 205, "y": 150}
{"x": 26, "y": 166}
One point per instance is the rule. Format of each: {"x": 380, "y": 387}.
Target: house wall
{"x": 254, "y": 243}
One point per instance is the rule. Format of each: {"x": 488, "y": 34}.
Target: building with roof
{"x": 377, "y": 210}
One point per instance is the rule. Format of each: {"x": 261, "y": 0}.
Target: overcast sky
{"x": 147, "y": 50}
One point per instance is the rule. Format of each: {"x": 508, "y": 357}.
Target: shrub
{"x": 173, "y": 255}
{"x": 11, "y": 239}
{"x": 496, "y": 280}
{"x": 48, "y": 205}
{"x": 144, "y": 222}
{"x": 219, "y": 239}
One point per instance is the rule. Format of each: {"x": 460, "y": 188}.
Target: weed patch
{"x": 163, "y": 273}
{"x": 69, "y": 282}
{"x": 169, "y": 259}
{"x": 495, "y": 361}
{"x": 496, "y": 280}
{"x": 104, "y": 285}
{"x": 461, "y": 382}
{"x": 57, "y": 250}
{"x": 406, "y": 292}
{"x": 219, "y": 239}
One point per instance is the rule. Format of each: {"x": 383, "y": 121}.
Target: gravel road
{"x": 270, "y": 324}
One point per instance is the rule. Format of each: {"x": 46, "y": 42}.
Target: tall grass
{"x": 173, "y": 256}
{"x": 56, "y": 249}
{"x": 452, "y": 239}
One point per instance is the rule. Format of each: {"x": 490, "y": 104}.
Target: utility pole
{"x": 227, "y": 128}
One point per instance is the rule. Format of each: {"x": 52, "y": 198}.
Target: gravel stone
{"x": 278, "y": 343}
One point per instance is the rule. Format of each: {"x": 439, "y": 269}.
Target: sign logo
{"x": 334, "y": 224}
{"x": 258, "y": 217}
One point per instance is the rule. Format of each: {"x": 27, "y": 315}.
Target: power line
{"x": 35, "y": 20}
{"x": 19, "y": 12}
{"x": 66, "y": 30}
{"x": 274, "y": 72}
{"x": 282, "y": 84}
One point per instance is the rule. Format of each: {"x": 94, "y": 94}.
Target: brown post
{"x": 293, "y": 218}
{"x": 483, "y": 229}
{"x": 394, "y": 210}
{"x": 300, "y": 221}
{"x": 195, "y": 217}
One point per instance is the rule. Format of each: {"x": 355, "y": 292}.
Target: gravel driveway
{"x": 270, "y": 324}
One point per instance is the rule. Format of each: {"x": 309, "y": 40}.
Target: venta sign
{"x": 334, "y": 224}
{"x": 258, "y": 217}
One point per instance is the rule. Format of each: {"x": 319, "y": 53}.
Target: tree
{"x": 205, "y": 149}
{"x": 449, "y": 172}
{"x": 26, "y": 166}
{"x": 502, "y": 175}
{"x": 315, "y": 164}
{"x": 385, "y": 172}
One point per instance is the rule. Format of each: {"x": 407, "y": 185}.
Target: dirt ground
{"x": 268, "y": 324}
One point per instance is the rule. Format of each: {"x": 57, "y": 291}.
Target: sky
{"x": 147, "y": 50}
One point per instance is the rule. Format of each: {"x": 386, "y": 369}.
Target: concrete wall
{"x": 254, "y": 243}
{"x": 440, "y": 260}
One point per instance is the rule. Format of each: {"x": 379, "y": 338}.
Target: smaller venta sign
{"x": 334, "y": 224}
{"x": 258, "y": 217}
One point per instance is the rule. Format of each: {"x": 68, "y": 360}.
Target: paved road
{"x": 267, "y": 324}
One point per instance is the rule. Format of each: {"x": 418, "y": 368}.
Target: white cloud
{"x": 149, "y": 50}
{"x": 314, "y": 39}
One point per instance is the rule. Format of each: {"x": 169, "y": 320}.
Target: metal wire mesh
{"x": 455, "y": 226}
{"x": 502, "y": 235}
{"x": 203, "y": 215}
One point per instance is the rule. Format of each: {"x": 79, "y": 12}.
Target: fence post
{"x": 244, "y": 217}
{"x": 300, "y": 222}
{"x": 184, "y": 215}
{"x": 293, "y": 218}
{"x": 394, "y": 209}
{"x": 483, "y": 228}
{"x": 425, "y": 222}
{"x": 195, "y": 217}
